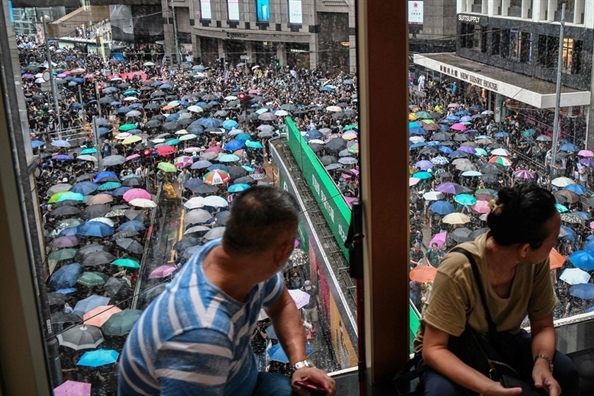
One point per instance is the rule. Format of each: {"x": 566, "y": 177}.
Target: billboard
{"x": 263, "y": 10}
{"x": 295, "y": 12}
{"x": 335, "y": 209}
{"x": 415, "y": 12}
{"x": 233, "y": 10}
{"x": 205, "y": 12}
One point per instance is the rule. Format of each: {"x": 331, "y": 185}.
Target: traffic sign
{"x": 46, "y": 75}
{"x": 244, "y": 57}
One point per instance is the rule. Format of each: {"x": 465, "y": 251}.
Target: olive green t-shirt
{"x": 455, "y": 300}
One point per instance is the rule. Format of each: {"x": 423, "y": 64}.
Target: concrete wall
{"x": 66, "y": 25}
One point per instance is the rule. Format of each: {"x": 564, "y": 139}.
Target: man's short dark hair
{"x": 258, "y": 216}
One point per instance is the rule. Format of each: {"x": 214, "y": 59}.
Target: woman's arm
{"x": 543, "y": 344}
{"x": 438, "y": 357}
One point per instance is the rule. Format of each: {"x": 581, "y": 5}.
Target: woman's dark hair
{"x": 518, "y": 215}
{"x": 258, "y": 216}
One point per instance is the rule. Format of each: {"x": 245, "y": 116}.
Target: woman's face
{"x": 553, "y": 225}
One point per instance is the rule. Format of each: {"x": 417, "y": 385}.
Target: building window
{"x": 569, "y": 5}
{"x": 233, "y": 10}
{"x": 526, "y": 47}
{"x": 496, "y": 42}
{"x": 514, "y": 45}
{"x": 505, "y": 43}
{"x": 515, "y": 3}
{"x": 570, "y": 63}
{"x": 548, "y": 51}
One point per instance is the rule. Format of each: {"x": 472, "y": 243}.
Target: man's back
{"x": 194, "y": 339}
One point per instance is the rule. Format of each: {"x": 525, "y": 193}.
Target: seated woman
{"x": 512, "y": 258}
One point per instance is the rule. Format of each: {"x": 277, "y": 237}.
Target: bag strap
{"x": 479, "y": 283}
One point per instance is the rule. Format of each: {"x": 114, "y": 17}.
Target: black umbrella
{"x": 171, "y": 126}
{"x": 153, "y": 124}
{"x": 185, "y": 242}
{"x": 86, "y": 176}
{"x": 460, "y": 235}
{"x": 220, "y": 219}
{"x": 67, "y": 202}
{"x": 236, "y": 172}
{"x": 94, "y": 211}
{"x": 477, "y": 232}
{"x": 243, "y": 180}
{"x": 65, "y": 211}
{"x": 116, "y": 286}
{"x": 328, "y": 159}
{"x": 132, "y": 182}
{"x": 56, "y": 298}
{"x": 204, "y": 189}
{"x": 92, "y": 248}
{"x": 61, "y": 317}
{"x": 124, "y": 234}
{"x": 316, "y": 148}
{"x": 98, "y": 258}
{"x": 489, "y": 178}
{"x": 441, "y": 136}
{"x": 152, "y": 106}
{"x": 147, "y": 296}
{"x": 336, "y": 144}
{"x": 157, "y": 94}
{"x": 494, "y": 169}
{"x": 130, "y": 245}
{"x": 460, "y": 138}
{"x": 135, "y": 215}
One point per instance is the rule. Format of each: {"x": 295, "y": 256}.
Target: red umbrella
{"x": 165, "y": 150}
{"x": 423, "y": 274}
{"x": 216, "y": 176}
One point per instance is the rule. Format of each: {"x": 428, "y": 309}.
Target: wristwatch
{"x": 548, "y": 359}
{"x": 301, "y": 364}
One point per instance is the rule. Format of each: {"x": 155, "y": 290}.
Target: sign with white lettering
{"x": 469, "y": 18}
{"x": 469, "y": 77}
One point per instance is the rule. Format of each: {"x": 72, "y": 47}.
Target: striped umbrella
{"x": 524, "y": 174}
{"x": 216, "y": 177}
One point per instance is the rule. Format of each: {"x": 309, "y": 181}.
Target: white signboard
{"x": 295, "y": 12}
{"x": 233, "y": 9}
{"x": 415, "y": 12}
{"x": 205, "y": 9}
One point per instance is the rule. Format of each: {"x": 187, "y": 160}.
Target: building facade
{"x": 508, "y": 52}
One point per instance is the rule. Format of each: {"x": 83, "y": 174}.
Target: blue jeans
{"x": 273, "y": 384}
{"x": 435, "y": 384}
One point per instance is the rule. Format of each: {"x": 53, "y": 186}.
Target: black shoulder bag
{"x": 501, "y": 356}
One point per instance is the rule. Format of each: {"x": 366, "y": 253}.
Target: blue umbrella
{"x": 102, "y": 131}
{"x": 172, "y": 117}
{"x": 583, "y": 259}
{"x": 84, "y": 188}
{"x": 458, "y": 154}
{"x": 135, "y": 106}
{"x": 442, "y": 207}
{"x": 67, "y": 232}
{"x": 253, "y": 145}
{"x": 67, "y": 290}
{"x": 37, "y": 143}
{"x": 230, "y": 124}
{"x": 446, "y": 150}
{"x": 576, "y": 188}
{"x": 589, "y": 246}
{"x": 184, "y": 103}
{"x": 584, "y": 291}
{"x": 115, "y": 103}
{"x": 423, "y": 175}
{"x": 465, "y": 199}
{"x": 104, "y": 174}
{"x": 242, "y": 137}
{"x": 417, "y": 131}
{"x": 76, "y": 106}
{"x": 233, "y": 145}
{"x": 172, "y": 142}
{"x": 91, "y": 150}
{"x": 89, "y": 303}
{"x": 424, "y": 165}
{"x": 277, "y": 354}
{"x": 193, "y": 183}
{"x": 94, "y": 228}
{"x": 132, "y": 225}
{"x": 238, "y": 187}
{"x": 124, "y": 110}
{"x": 165, "y": 86}
{"x": 417, "y": 145}
{"x": 118, "y": 192}
{"x": 570, "y": 234}
{"x": 569, "y": 147}
{"x": 219, "y": 167}
{"x": 78, "y": 80}
{"x": 99, "y": 357}
{"x": 156, "y": 84}
{"x": 501, "y": 134}
{"x": 313, "y": 134}
{"x": 65, "y": 277}
{"x": 71, "y": 196}
{"x": 584, "y": 215}
{"x": 130, "y": 92}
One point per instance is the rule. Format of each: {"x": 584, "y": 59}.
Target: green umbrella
{"x": 91, "y": 150}
{"x": 148, "y": 64}
{"x": 424, "y": 115}
{"x": 528, "y": 132}
{"x": 352, "y": 126}
{"x": 254, "y": 145}
{"x": 68, "y": 223}
{"x": 62, "y": 254}
{"x": 54, "y": 197}
{"x": 92, "y": 278}
{"x": 229, "y": 158}
{"x": 166, "y": 167}
{"x": 127, "y": 127}
{"x": 121, "y": 323}
{"x": 126, "y": 262}
{"x": 109, "y": 186}
{"x": 423, "y": 175}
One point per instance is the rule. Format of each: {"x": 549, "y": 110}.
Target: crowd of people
{"x": 460, "y": 157}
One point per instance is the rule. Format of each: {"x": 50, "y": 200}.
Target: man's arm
{"x": 289, "y": 329}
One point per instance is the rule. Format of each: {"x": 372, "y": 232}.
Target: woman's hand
{"x": 496, "y": 389}
{"x": 543, "y": 378}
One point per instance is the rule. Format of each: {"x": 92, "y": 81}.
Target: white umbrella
{"x": 500, "y": 151}
{"x": 87, "y": 158}
{"x": 131, "y": 99}
{"x": 181, "y": 132}
{"x": 214, "y": 233}
{"x": 575, "y": 276}
{"x": 195, "y": 109}
{"x": 158, "y": 140}
{"x": 215, "y": 201}
{"x": 334, "y": 109}
{"x": 562, "y": 181}
{"x": 189, "y": 136}
{"x": 197, "y": 228}
{"x": 194, "y": 203}
{"x": 281, "y": 113}
{"x": 230, "y": 97}
{"x": 103, "y": 220}
{"x": 197, "y": 216}
{"x": 142, "y": 203}
{"x": 433, "y": 195}
{"x": 300, "y": 297}
{"x": 456, "y": 218}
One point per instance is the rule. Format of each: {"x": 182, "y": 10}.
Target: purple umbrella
{"x": 467, "y": 149}
{"x": 588, "y": 162}
{"x": 73, "y": 388}
{"x": 62, "y": 157}
{"x": 64, "y": 241}
{"x": 449, "y": 188}
{"x": 28, "y": 76}
{"x": 466, "y": 119}
{"x": 424, "y": 165}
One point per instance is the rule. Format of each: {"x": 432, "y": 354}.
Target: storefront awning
{"x": 532, "y": 91}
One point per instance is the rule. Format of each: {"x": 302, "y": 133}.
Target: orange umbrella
{"x": 423, "y": 274}
{"x": 556, "y": 259}
{"x": 100, "y": 315}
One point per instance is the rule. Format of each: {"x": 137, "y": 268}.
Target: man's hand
{"x": 496, "y": 389}
{"x": 316, "y": 376}
{"x": 543, "y": 378}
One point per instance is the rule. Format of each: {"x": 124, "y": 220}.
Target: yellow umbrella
{"x": 132, "y": 139}
{"x": 412, "y": 117}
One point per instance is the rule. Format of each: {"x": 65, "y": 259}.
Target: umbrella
{"x": 215, "y": 201}
{"x": 64, "y": 241}
{"x": 135, "y": 193}
{"x": 81, "y": 337}
{"x": 574, "y": 276}
{"x": 130, "y": 245}
{"x": 438, "y": 238}
{"x": 143, "y": 203}
{"x": 62, "y": 254}
{"x": 92, "y": 278}
{"x": 442, "y": 208}
{"x": 216, "y": 177}
{"x": 583, "y": 291}
{"x": 98, "y": 258}
{"x": 583, "y": 259}
{"x": 167, "y": 167}
{"x": 94, "y": 228}
{"x": 556, "y": 260}
{"x": 132, "y": 225}
{"x": 460, "y": 235}
{"x": 163, "y": 271}
{"x": 576, "y": 188}
{"x": 449, "y": 188}
{"x": 423, "y": 273}
{"x": 456, "y": 218}
{"x": 481, "y": 207}
{"x": 121, "y": 323}
{"x": 89, "y": 303}
{"x": 214, "y": 233}
{"x": 61, "y": 317}
{"x": 562, "y": 181}
{"x": 572, "y": 218}
{"x": 465, "y": 199}
{"x": 524, "y": 174}
{"x": 100, "y": 199}
{"x": 65, "y": 276}
{"x": 99, "y": 315}
{"x": 98, "y": 358}
{"x": 126, "y": 262}
{"x": 300, "y": 297}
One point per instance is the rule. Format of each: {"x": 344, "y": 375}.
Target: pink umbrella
{"x": 98, "y": 316}
{"x": 135, "y": 193}
{"x": 301, "y": 298}
{"x": 481, "y": 207}
{"x": 73, "y": 388}
{"x": 524, "y": 174}
{"x": 64, "y": 241}
{"x": 163, "y": 271}
{"x": 586, "y": 153}
{"x": 132, "y": 157}
{"x": 439, "y": 238}
{"x": 458, "y": 127}
{"x": 214, "y": 149}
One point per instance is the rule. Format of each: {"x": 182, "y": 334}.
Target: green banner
{"x": 335, "y": 209}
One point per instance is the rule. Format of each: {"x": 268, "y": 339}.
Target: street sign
{"x": 46, "y": 75}
{"x": 244, "y": 57}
